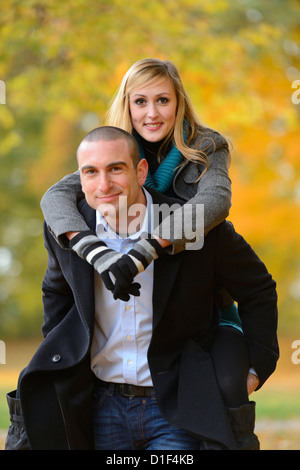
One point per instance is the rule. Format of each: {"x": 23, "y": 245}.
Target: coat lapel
{"x": 165, "y": 273}
{"x": 165, "y": 268}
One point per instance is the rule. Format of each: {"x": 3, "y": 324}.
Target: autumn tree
{"x": 62, "y": 62}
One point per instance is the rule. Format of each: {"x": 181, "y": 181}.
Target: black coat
{"x": 56, "y": 387}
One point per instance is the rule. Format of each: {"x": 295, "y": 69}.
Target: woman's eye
{"x": 139, "y": 101}
{"x": 163, "y": 100}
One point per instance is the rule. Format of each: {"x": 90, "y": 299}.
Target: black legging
{"x": 230, "y": 356}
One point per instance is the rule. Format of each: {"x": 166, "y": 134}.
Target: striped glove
{"x": 89, "y": 247}
{"x": 135, "y": 261}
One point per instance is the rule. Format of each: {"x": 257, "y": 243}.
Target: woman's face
{"x": 153, "y": 110}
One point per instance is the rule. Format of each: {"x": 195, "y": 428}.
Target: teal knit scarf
{"x": 162, "y": 179}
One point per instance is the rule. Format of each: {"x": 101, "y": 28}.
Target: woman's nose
{"x": 152, "y": 111}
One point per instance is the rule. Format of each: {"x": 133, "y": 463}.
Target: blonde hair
{"x": 144, "y": 73}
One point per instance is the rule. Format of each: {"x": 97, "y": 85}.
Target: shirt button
{"x": 128, "y": 337}
{"x": 127, "y": 307}
{"x": 129, "y": 362}
{"x": 56, "y": 358}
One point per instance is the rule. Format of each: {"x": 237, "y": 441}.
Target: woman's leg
{"x": 230, "y": 356}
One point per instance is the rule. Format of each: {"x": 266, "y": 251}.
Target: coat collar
{"x": 88, "y": 213}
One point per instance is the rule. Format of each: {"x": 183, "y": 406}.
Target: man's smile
{"x": 108, "y": 197}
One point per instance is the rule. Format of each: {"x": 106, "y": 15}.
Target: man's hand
{"x": 252, "y": 383}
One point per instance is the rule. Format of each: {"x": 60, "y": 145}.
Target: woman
{"x": 188, "y": 161}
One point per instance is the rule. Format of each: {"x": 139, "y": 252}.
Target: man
{"x": 145, "y": 358}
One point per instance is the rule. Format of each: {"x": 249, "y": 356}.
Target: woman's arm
{"x": 213, "y": 192}
{"x": 59, "y": 206}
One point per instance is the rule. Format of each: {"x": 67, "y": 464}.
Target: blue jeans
{"x": 134, "y": 423}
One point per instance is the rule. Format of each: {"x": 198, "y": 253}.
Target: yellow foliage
{"x": 57, "y": 152}
{"x": 63, "y": 60}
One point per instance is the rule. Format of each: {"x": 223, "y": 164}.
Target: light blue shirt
{"x": 123, "y": 329}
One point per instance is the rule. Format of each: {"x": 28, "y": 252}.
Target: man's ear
{"x": 142, "y": 171}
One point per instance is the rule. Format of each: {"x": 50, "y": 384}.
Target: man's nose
{"x": 104, "y": 182}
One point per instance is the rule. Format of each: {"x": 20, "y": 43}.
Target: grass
{"x": 277, "y": 403}
{"x": 18, "y": 354}
{"x": 4, "y": 415}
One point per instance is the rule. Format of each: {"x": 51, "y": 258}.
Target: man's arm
{"x": 244, "y": 275}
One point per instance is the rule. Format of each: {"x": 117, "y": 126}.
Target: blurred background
{"x": 60, "y": 65}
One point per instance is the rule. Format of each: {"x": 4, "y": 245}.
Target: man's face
{"x": 107, "y": 173}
